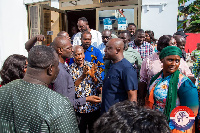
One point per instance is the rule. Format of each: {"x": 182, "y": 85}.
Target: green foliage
{"x": 182, "y": 1}
{"x": 194, "y": 11}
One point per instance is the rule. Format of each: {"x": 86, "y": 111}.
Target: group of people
{"x": 58, "y": 87}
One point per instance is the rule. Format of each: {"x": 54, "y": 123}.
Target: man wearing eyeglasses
{"x": 64, "y": 83}
{"x": 83, "y": 26}
{"x": 106, "y": 36}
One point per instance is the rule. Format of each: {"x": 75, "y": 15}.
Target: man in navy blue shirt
{"x": 121, "y": 81}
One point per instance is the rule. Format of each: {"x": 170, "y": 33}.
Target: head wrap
{"x": 170, "y": 50}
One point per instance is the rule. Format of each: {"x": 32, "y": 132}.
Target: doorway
{"x": 74, "y": 15}
{"x": 129, "y": 12}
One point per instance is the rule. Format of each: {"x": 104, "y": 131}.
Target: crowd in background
{"x": 99, "y": 82}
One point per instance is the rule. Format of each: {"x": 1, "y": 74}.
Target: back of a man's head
{"x": 41, "y": 57}
{"x": 63, "y": 33}
{"x": 127, "y": 117}
{"x": 59, "y": 42}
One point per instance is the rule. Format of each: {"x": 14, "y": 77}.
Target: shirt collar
{"x": 63, "y": 65}
{"x": 89, "y": 49}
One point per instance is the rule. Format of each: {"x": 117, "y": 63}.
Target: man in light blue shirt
{"x": 106, "y": 36}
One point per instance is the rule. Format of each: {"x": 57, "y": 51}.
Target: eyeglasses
{"x": 82, "y": 26}
{"x": 105, "y": 37}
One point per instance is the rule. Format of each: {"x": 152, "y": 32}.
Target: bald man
{"x": 180, "y": 40}
{"x": 87, "y": 78}
{"x": 64, "y": 83}
{"x": 121, "y": 81}
{"x": 64, "y": 34}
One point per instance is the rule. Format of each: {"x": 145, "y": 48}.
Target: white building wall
{"x": 13, "y": 28}
{"x": 161, "y": 20}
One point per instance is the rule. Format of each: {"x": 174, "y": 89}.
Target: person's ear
{"x": 50, "y": 70}
{"x": 60, "y": 50}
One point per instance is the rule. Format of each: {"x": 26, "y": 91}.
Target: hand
{"x": 93, "y": 99}
{"x": 85, "y": 70}
{"x": 93, "y": 70}
{"x": 40, "y": 37}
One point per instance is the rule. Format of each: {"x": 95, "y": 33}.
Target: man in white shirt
{"x": 83, "y": 26}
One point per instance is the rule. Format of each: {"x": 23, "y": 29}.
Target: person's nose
{"x": 173, "y": 63}
{"x": 88, "y": 41}
{"x": 79, "y": 56}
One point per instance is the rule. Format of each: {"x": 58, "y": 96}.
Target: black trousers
{"x": 87, "y": 120}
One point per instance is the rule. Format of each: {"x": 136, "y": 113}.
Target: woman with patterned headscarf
{"x": 170, "y": 88}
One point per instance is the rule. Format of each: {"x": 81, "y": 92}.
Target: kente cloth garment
{"x": 27, "y": 107}
{"x": 187, "y": 93}
{"x": 86, "y": 88}
{"x": 145, "y": 49}
{"x": 152, "y": 65}
{"x": 96, "y": 38}
{"x": 195, "y": 53}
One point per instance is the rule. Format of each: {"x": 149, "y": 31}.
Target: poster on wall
{"x": 107, "y": 23}
{"x": 122, "y": 23}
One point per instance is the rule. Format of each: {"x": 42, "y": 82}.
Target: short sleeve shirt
{"x": 120, "y": 78}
